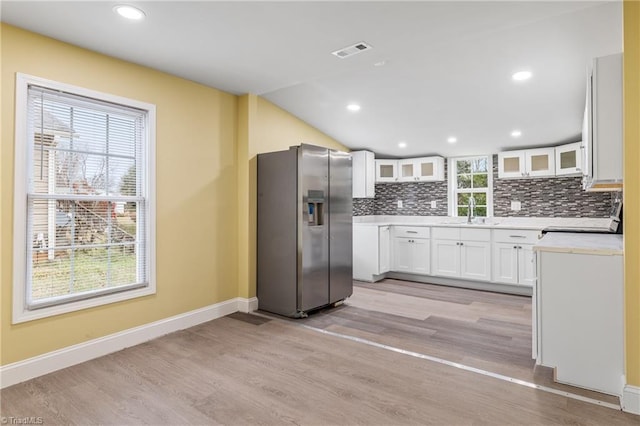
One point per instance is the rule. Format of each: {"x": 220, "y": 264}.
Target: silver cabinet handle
{"x": 517, "y": 236}
{"x": 411, "y": 232}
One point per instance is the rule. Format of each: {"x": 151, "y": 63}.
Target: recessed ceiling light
{"x": 522, "y": 75}
{"x": 452, "y": 140}
{"x": 402, "y": 144}
{"x": 516, "y": 133}
{"x": 380, "y": 63}
{"x": 353, "y": 107}
{"x": 129, "y": 12}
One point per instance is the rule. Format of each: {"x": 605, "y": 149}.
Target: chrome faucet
{"x": 470, "y": 213}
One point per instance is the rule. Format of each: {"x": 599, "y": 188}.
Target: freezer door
{"x": 340, "y": 226}
{"x": 313, "y": 284}
{"x": 277, "y": 274}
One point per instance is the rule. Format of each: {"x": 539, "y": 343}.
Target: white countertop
{"x": 561, "y": 242}
{"x": 533, "y": 223}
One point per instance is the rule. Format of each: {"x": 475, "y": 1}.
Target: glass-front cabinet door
{"x": 541, "y": 162}
{"x": 429, "y": 168}
{"x": 569, "y": 159}
{"x": 527, "y": 163}
{"x": 511, "y": 164}
{"x": 386, "y": 170}
{"x": 422, "y": 169}
{"x": 406, "y": 170}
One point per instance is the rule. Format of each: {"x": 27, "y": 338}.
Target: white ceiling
{"x": 447, "y": 71}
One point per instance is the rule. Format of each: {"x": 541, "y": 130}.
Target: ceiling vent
{"x": 352, "y": 50}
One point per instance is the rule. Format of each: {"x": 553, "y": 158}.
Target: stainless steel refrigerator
{"x": 304, "y": 229}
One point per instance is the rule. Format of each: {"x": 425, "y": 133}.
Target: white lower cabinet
{"x": 371, "y": 251}
{"x": 462, "y": 253}
{"x": 411, "y": 250}
{"x": 411, "y": 255}
{"x": 527, "y": 273}
{"x": 384, "y": 249}
{"x": 465, "y": 252}
{"x": 513, "y": 256}
{"x": 446, "y": 258}
{"x": 505, "y": 263}
{"x": 475, "y": 260}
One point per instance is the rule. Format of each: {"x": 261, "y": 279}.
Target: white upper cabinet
{"x": 511, "y": 164}
{"x": 569, "y": 159}
{"x": 541, "y": 162}
{"x": 406, "y": 170}
{"x": 421, "y": 169}
{"x": 527, "y": 163}
{"x": 386, "y": 170}
{"x": 602, "y": 130}
{"x": 363, "y": 174}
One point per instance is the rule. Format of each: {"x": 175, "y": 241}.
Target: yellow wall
{"x": 631, "y": 13}
{"x": 196, "y": 191}
{"x": 269, "y": 128}
{"x": 207, "y": 142}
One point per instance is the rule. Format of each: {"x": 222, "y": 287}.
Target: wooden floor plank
{"x": 481, "y": 329}
{"x": 241, "y": 371}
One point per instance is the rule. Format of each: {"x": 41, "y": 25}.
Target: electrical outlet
{"x": 433, "y": 204}
{"x": 516, "y": 206}
{"x": 399, "y": 204}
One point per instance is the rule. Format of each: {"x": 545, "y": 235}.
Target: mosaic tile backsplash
{"x": 547, "y": 197}
{"x": 540, "y": 197}
{"x": 416, "y": 198}
{"x": 364, "y": 206}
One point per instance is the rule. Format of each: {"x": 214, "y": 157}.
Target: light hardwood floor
{"x": 244, "y": 369}
{"x": 486, "y": 330}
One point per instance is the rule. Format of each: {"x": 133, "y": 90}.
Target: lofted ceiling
{"x": 436, "y": 70}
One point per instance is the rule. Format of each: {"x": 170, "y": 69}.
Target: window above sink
{"x": 471, "y": 178}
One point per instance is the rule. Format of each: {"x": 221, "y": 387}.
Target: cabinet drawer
{"x": 451, "y": 233}
{"x": 411, "y": 231}
{"x": 515, "y": 236}
{"x": 474, "y": 234}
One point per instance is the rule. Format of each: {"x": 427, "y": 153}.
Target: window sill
{"x": 21, "y": 315}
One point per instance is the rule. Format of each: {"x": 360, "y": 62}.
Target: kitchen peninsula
{"x": 579, "y": 309}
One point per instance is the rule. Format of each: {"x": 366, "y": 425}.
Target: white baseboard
{"x": 247, "y": 305}
{"x": 40, "y": 365}
{"x": 631, "y": 399}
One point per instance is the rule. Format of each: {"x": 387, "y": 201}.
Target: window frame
{"x": 453, "y": 183}
{"x": 21, "y": 312}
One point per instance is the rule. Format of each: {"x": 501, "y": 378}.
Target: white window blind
{"x": 86, "y": 194}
